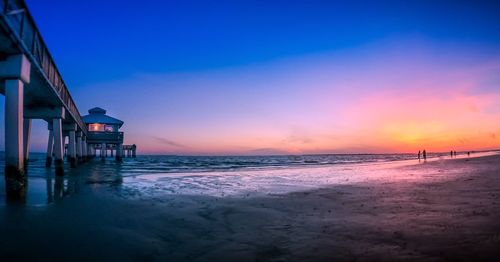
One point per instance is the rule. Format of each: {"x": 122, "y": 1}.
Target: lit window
{"x": 96, "y": 127}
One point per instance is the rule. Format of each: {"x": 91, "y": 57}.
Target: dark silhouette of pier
{"x": 34, "y": 89}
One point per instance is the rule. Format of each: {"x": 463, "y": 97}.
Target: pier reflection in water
{"x": 42, "y": 187}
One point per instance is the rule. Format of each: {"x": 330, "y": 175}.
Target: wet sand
{"x": 447, "y": 209}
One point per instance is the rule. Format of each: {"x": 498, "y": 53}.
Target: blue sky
{"x": 115, "y": 39}
{"x": 193, "y": 65}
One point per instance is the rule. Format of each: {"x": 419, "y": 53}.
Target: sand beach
{"x": 445, "y": 209}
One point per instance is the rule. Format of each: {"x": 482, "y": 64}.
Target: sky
{"x": 282, "y": 77}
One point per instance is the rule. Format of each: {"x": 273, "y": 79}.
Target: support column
{"x": 16, "y": 70}
{"x": 14, "y": 148}
{"x": 50, "y": 149}
{"x": 134, "y": 147}
{"x": 26, "y": 139}
{"x": 84, "y": 148}
{"x": 79, "y": 146}
{"x": 65, "y": 147}
{"x": 103, "y": 151}
{"x": 119, "y": 149}
{"x": 58, "y": 145}
{"x": 72, "y": 148}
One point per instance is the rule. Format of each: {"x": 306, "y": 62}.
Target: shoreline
{"x": 326, "y": 165}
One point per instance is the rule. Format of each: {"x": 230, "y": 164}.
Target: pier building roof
{"x": 98, "y": 115}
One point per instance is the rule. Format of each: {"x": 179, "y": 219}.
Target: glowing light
{"x": 96, "y": 127}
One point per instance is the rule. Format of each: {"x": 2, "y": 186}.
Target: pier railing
{"x": 106, "y": 137}
{"x": 21, "y": 25}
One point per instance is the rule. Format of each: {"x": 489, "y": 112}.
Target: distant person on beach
{"x": 424, "y": 155}
{"x": 418, "y": 155}
{"x": 451, "y": 153}
{"x": 455, "y": 153}
{"x": 468, "y": 154}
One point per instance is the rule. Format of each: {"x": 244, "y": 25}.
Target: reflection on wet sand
{"x": 58, "y": 188}
{"x": 15, "y": 188}
{"x": 63, "y": 187}
{"x": 41, "y": 186}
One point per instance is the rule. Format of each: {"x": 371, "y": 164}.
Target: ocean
{"x": 152, "y": 164}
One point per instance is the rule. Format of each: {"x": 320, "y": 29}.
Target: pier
{"x": 34, "y": 89}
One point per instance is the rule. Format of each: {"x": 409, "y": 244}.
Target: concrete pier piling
{"x": 26, "y": 139}
{"x": 119, "y": 151}
{"x": 15, "y": 178}
{"x": 84, "y": 149}
{"x": 79, "y": 146}
{"x": 58, "y": 145}
{"x": 103, "y": 151}
{"x": 15, "y": 74}
{"x": 14, "y": 130}
{"x": 50, "y": 149}
{"x": 72, "y": 148}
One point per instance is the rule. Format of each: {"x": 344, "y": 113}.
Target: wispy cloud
{"x": 267, "y": 151}
{"x": 169, "y": 142}
{"x": 297, "y": 139}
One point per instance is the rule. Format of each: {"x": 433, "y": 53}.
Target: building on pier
{"x": 104, "y": 134}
